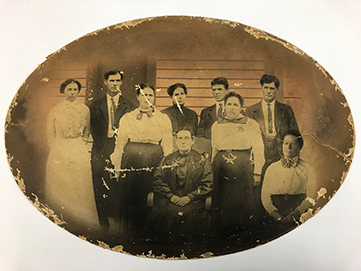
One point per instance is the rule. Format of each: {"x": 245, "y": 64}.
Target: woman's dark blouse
{"x": 189, "y": 118}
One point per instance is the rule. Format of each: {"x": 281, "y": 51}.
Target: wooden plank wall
{"x": 243, "y": 77}
{"x": 64, "y": 71}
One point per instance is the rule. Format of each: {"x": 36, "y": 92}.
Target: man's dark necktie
{"x": 112, "y": 112}
{"x": 270, "y": 125}
{"x": 220, "y": 111}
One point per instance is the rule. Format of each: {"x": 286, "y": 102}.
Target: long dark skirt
{"x": 139, "y": 160}
{"x": 232, "y": 209}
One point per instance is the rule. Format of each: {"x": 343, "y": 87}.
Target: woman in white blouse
{"x": 68, "y": 184}
{"x": 144, "y": 137}
{"x": 289, "y": 186}
{"x": 237, "y": 160}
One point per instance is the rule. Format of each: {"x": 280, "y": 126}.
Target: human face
{"x": 71, "y": 92}
{"x": 113, "y": 84}
{"x": 232, "y": 108}
{"x": 146, "y": 98}
{"x": 179, "y": 96}
{"x": 290, "y": 146}
{"x": 184, "y": 141}
{"x": 269, "y": 92}
{"x": 219, "y": 91}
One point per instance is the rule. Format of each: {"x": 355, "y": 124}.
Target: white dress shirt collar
{"x": 115, "y": 98}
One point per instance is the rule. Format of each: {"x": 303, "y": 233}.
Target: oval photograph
{"x": 179, "y": 137}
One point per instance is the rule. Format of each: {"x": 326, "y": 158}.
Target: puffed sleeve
{"x": 256, "y": 140}
{"x": 167, "y": 136}
{"x": 50, "y": 127}
{"x": 270, "y": 182}
{"x": 311, "y": 190}
{"x": 121, "y": 141}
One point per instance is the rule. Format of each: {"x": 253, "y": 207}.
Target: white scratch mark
{"x": 105, "y": 184}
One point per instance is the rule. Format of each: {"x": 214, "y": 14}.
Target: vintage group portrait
{"x": 184, "y": 136}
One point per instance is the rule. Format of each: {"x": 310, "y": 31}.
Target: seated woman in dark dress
{"x": 289, "y": 187}
{"x": 183, "y": 180}
{"x": 180, "y": 115}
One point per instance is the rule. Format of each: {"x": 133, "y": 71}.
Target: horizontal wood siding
{"x": 64, "y": 71}
{"x": 206, "y": 83}
{"x": 243, "y": 77}
{"x": 210, "y": 64}
{"x": 209, "y": 74}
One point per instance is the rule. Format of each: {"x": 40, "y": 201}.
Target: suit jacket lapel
{"x": 103, "y": 107}
{"x": 119, "y": 112}
{"x": 213, "y": 113}
{"x": 278, "y": 116}
{"x": 258, "y": 116}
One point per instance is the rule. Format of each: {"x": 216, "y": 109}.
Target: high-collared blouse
{"x": 240, "y": 134}
{"x": 281, "y": 180}
{"x": 68, "y": 120}
{"x": 154, "y": 129}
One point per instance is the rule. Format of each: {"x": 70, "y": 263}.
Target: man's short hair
{"x": 267, "y": 79}
{"x": 113, "y": 72}
{"x": 172, "y": 88}
{"x": 220, "y": 81}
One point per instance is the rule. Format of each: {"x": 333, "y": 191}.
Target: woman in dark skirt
{"x": 237, "y": 160}
{"x": 144, "y": 137}
{"x": 289, "y": 186}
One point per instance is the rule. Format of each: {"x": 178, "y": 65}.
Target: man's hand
{"x": 256, "y": 179}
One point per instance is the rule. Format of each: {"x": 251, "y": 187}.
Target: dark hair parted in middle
{"x": 267, "y": 79}
{"x": 68, "y": 82}
{"x": 172, "y": 88}
{"x": 220, "y": 81}
{"x": 186, "y": 128}
{"x": 143, "y": 86}
{"x": 113, "y": 72}
{"x": 296, "y": 134}
{"x": 233, "y": 94}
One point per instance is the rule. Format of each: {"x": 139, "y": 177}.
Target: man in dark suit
{"x": 210, "y": 114}
{"x": 275, "y": 119}
{"x": 104, "y": 117}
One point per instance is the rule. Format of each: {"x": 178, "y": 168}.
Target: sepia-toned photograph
{"x": 189, "y": 137}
